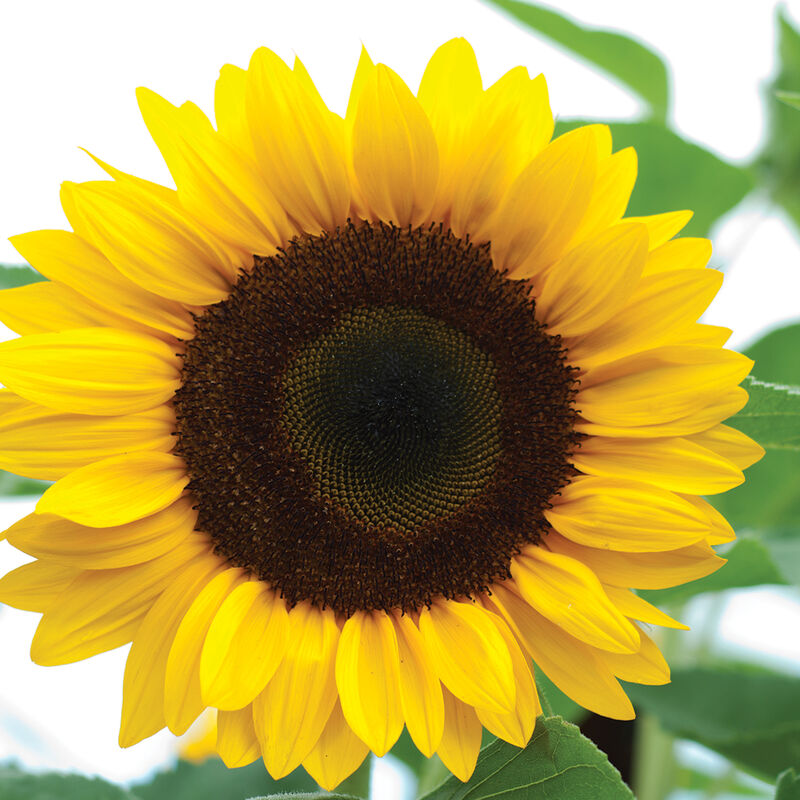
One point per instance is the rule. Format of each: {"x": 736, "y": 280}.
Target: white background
{"x": 68, "y": 71}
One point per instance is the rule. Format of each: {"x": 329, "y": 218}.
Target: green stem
{"x": 547, "y": 709}
{"x": 357, "y": 784}
{"x": 654, "y": 764}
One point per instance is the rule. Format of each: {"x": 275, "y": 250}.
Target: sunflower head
{"x": 366, "y": 417}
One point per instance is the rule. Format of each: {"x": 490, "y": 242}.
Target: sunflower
{"x": 366, "y": 417}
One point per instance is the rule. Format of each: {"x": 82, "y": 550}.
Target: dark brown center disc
{"x": 375, "y": 418}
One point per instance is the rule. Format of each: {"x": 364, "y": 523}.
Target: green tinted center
{"x": 397, "y": 415}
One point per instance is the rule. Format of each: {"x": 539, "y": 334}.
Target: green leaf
{"x": 775, "y": 355}
{"x": 750, "y": 563}
{"x": 18, "y": 785}
{"x": 306, "y": 796}
{"x": 788, "y": 786}
{"x": 790, "y": 98}
{"x": 771, "y": 416}
{"x": 751, "y": 716}
{"x": 12, "y": 485}
{"x": 12, "y": 275}
{"x": 212, "y": 780}
{"x": 675, "y": 174}
{"x": 779, "y": 161}
{"x": 620, "y": 56}
{"x": 558, "y": 762}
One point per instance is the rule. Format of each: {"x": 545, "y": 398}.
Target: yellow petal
{"x": 217, "y": 183}
{"x": 626, "y": 515}
{"x": 237, "y": 743}
{"x": 680, "y": 254}
{"x": 469, "y": 654}
{"x": 647, "y": 666}
{"x": 662, "y": 227}
{"x": 511, "y": 124}
{"x": 246, "y": 642}
{"x": 544, "y": 206}
{"x": 731, "y": 444}
{"x": 101, "y": 371}
{"x": 116, "y": 490}
{"x": 291, "y": 713}
{"x": 183, "y": 701}
{"x": 616, "y": 176}
{"x": 364, "y": 73}
{"x": 64, "y": 257}
{"x": 661, "y": 307}
{"x": 299, "y": 144}
{"x": 461, "y": 741}
{"x": 229, "y": 107}
{"x": 677, "y": 464}
{"x": 569, "y": 594}
{"x": 708, "y": 335}
{"x": 449, "y": 92}
{"x": 420, "y": 690}
{"x": 36, "y": 586}
{"x": 145, "y": 669}
{"x": 721, "y": 531}
{"x": 721, "y": 407}
{"x": 152, "y": 242}
{"x": 337, "y": 754}
{"x": 518, "y": 726}
{"x": 635, "y": 607}
{"x": 367, "y": 676}
{"x": 573, "y": 666}
{"x": 593, "y": 281}
{"x": 659, "y": 385}
{"x": 395, "y": 156}
{"x": 41, "y": 443}
{"x": 64, "y": 542}
{"x": 47, "y": 306}
{"x": 643, "y": 570}
{"x": 104, "y": 608}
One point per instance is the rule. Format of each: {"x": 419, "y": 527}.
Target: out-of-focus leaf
{"x": 18, "y": 785}
{"x": 775, "y": 355}
{"x": 769, "y": 498}
{"x": 790, "y": 98}
{"x": 788, "y": 786}
{"x": 780, "y": 159}
{"x": 12, "y": 485}
{"x": 558, "y": 762}
{"x": 12, "y": 275}
{"x": 733, "y": 786}
{"x": 620, "y": 56}
{"x": 750, "y": 563}
{"x": 772, "y": 415}
{"x": 675, "y": 174}
{"x": 212, "y": 780}
{"x": 751, "y": 716}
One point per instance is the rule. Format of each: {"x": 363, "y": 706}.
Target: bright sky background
{"x": 69, "y": 70}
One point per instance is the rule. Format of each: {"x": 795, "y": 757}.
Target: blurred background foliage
{"x": 746, "y": 713}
